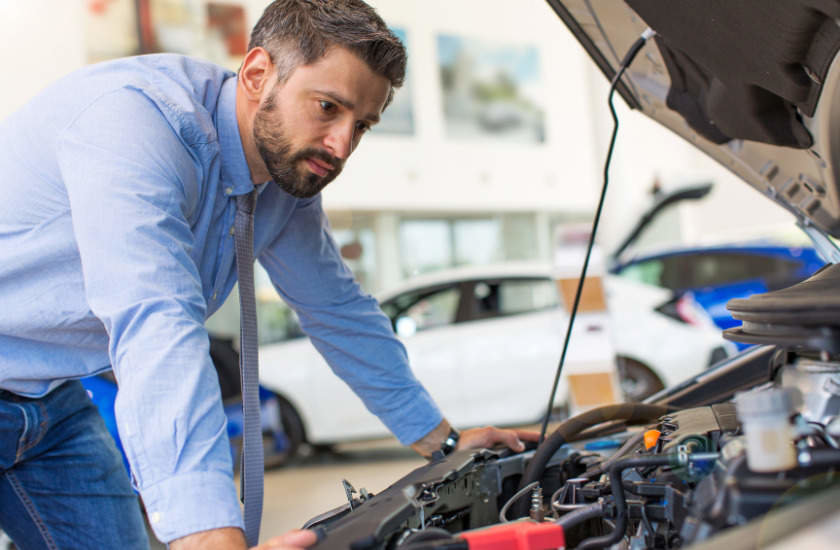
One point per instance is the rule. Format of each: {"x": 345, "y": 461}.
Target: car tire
{"x": 638, "y": 381}
{"x": 293, "y": 431}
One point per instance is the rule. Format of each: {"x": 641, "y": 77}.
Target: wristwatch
{"x": 447, "y": 446}
{"x": 450, "y": 442}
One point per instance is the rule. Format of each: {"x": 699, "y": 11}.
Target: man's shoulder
{"x": 185, "y": 90}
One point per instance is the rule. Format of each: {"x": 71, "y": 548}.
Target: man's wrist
{"x": 432, "y": 441}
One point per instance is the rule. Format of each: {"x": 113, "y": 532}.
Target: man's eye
{"x": 326, "y": 106}
{"x": 362, "y": 127}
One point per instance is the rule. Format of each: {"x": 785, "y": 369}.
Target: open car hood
{"x": 754, "y": 84}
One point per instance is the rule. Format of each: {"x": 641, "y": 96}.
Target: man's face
{"x": 306, "y": 128}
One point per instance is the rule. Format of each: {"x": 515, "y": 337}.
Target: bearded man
{"x": 117, "y": 206}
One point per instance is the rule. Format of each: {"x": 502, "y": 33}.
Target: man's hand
{"x": 232, "y": 538}
{"x": 292, "y": 540}
{"x": 475, "y": 438}
{"x": 479, "y": 438}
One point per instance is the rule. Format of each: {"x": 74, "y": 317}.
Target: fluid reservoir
{"x": 765, "y": 415}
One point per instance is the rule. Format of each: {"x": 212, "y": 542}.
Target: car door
{"x": 510, "y": 340}
{"x": 426, "y": 321}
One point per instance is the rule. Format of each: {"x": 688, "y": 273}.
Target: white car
{"x": 484, "y": 340}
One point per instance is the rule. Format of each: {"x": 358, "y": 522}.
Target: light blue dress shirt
{"x": 116, "y": 208}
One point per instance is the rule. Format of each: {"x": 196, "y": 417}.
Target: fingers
{"x": 509, "y": 438}
{"x": 477, "y": 438}
{"x": 527, "y": 435}
{"x": 300, "y": 538}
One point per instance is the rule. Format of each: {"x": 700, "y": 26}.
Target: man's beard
{"x": 276, "y": 151}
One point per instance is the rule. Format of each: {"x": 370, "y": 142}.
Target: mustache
{"x": 312, "y": 152}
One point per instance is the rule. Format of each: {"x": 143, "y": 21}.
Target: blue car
{"x": 282, "y": 433}
{"x": 716, "y": 274}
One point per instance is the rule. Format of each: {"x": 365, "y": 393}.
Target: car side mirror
{"x": 406, "y": 326}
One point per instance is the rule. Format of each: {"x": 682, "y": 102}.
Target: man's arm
{"x": 128, "y": 177}
{"x": 356, "y": 339}
{"x": 345, "y": 324}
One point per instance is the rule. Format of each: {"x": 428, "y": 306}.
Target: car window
{"x": 648, "y": 272}
{"x": 707, "y": 270}
{"x": 426, "y": 309}
{"x": 701, "y": 270}
{"x": 512, "y": 296}
{"x": 277, "y": 322}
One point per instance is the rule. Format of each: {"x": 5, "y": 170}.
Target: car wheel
{"x": 638, "y": 381}
{"x": 282, "y": 446}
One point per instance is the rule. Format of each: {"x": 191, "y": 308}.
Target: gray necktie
{"x": 252, "y": 448}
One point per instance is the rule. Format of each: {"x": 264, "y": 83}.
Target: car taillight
{"x": 684, "y": 309}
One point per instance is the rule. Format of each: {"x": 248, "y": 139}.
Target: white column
{"x": 389, "y": 259}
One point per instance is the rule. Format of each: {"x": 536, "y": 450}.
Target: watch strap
{"x": 450, "y": 442}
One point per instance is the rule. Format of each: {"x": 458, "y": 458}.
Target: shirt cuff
{"x": 185, "y": 504}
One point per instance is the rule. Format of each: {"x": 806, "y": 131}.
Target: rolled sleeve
{"x": 131, "y": 191}
{"x": 214, "y": 494}
{"x": 346, "y": 325}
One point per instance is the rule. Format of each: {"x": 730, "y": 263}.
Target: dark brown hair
{"x": 299, "y": 32}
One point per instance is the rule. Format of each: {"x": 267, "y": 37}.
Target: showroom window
{"x": 425, "y": 246}
{"x": 432, "y": 244}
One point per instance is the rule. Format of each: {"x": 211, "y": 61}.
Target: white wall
{"x": 433, "y": 172}
{"x": 43, "y": 39}
{"x": 40, "y": 40}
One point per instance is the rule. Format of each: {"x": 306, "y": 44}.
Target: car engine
{"x": 672, "y": 472}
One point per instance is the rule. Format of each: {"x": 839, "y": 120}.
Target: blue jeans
{"x": 62, "y": 480}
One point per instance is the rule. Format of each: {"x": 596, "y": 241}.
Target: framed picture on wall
{"x": 110, "y": 29}
{"x": 216, "y": 31}
{"x": 490, "y": 90}
{"x": 398, "y": 118}
{"x": 212, "y": 30}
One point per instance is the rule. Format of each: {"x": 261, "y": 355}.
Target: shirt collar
{"x": 234, "y": 166}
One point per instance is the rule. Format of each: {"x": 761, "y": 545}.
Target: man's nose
{"x": 339, "y": 140}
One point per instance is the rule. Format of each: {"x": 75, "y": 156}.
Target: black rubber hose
{"x": 628, "y": 445}
{"x": 580, "y": 515}
{"x": 618, "y": 497}
{"x": 819, "y": 457}
{"x": 630, "y": 412}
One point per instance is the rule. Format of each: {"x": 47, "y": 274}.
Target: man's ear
{"x": 256, "y": 73}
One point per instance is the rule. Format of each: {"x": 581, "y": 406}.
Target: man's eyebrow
{"x": 373, "y": 118}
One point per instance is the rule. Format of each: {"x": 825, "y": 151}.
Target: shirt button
{"x": 232, "y": 227}
{"x": 228, "y": 190}
{"x": 154, "y": 519}
{"x": 215, "y": 295}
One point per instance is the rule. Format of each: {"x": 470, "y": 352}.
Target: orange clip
{"x": 651, "y": 437}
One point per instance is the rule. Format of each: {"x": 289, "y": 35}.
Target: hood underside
{"x": 753, "y": 83}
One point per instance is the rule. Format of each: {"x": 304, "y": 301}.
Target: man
{"x": 116, "y": 206}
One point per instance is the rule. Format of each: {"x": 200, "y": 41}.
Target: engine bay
{"x": 649, "y": 475}
{"x": 742, "y": 455}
